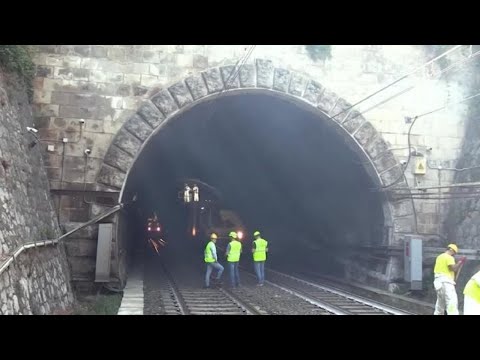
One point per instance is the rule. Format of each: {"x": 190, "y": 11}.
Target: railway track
{"x": 181, "y": 298}
{"x": 336, "y": 301}
{"x": 180, "y": 293}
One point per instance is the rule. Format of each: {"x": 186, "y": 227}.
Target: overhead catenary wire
{"x": 399, "y": 79}
{"x": 232, "y": 77}
{"x": 469, "y": 58}
{"x": 237, "y": 68}
{"x": 394, "y": 96}
{"x": 415, "y": 118}
{"x": 448, "y": 104}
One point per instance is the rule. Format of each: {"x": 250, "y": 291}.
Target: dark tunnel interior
{"x": 276, "y": 165}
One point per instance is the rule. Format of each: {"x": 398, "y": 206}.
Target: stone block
{"x": 181, "y": 94}
{"x": 127, "y": 142}
{"x": 197, "y": 86}
{"x": 353, "y": 122}
{"x": 281, "y": 80}
{"x": 213, "y": 80}
{"x": 164, "y": 101}
{"x": 138, "y": 127}
{"x": 265, "y": 73}
{"x": 313, "y": 92}
{"x": 365, "y": 133}
{"x": 376, "y": 147}
{"x": 98, "y": 51}
{"x": 228, "y": 76}
{"x": 328, "y": 101}
{"x": 392, "y": 175}
{"x": 118, "y": 158}
{"x": 247, "y": 76}
{"x": 111, "y": 177}
{"x": 385, "y": 162}
{"x": 151, "y": 114}
{"x": 402, "y": 208}
{"x": 200, "y": 61}
{"x": 297, "y": 84}
{"x": 341, "y": 110}
{"x": 404, "y": 225}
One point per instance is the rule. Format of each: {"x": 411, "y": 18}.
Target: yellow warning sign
{"x": 420, "y": 166}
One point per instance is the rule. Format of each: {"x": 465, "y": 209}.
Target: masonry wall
{"x": 38, "y": 282}
{"x": 104, "y": 84}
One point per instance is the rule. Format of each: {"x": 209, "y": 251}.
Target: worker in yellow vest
{"x": 471, "y": 300}
{"x": 444, "y": 282}
{"x": 210, "y": 257}
{"x": 187, "y": 196}
{"x": 234, "y": 249}
{"x": 259, "y": 250}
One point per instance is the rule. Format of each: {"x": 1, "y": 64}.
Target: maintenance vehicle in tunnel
{"x": 221, "y": 222}
{"x": 207, "y": 214}
{"x": 154, "y": 233}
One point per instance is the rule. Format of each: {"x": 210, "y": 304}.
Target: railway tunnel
{"x": 282, "y": 169}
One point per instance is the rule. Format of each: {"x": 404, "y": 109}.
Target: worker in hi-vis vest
{"x": 195, "y": 190}
{"x": 444, "y": 282}
{"x": 471, "y": 300}
{"x": 210, "y": 256}
{"x": 187, "y": 196}
{"x": 259, "y": 250}
{"x": 234, "y": 249}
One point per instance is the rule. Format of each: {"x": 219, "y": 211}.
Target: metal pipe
{"x": 471, "y": 254}
{"x": 469, "y": 184}
{"x": 35, "y": 244}
{"x": 452, "y": 169}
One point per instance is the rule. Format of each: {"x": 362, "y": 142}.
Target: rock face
{"x": 38, "y": 281}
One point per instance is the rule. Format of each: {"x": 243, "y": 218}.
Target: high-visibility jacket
{"x": 208, "y": 252}
{"x": 234, "y": 252}
{"x": 260, "y": 253}
{"x": 472, "y": 289}
{"x": 441, "y": 265}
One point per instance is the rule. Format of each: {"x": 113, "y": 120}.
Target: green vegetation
{"x": 319, "y": 52}
{"x": 17, "y": 59}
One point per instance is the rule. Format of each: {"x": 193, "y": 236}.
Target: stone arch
{"x": 358, "y": 133}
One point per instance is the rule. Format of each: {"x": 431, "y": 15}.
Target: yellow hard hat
{"x": 233, "y": 234}
{"x": 256, "y": 233}
{"x": 453, "y": 247}
{"x": 213, "y": 236}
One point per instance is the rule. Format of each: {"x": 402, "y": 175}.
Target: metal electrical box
{"x": 420, "y": 166}
{"x": 413, "y": 256}
{"x": 104, "y": 252}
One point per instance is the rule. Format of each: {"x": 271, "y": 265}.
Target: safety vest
{"x": 208, "y": 252}
{"x": 235, "y": 249}
{"x": 259, "y": 253}
{"x": 441, "y": 265}
{"x": 472, "y": 289}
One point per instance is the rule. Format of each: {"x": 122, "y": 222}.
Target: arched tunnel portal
{"x": 278, "y": 159}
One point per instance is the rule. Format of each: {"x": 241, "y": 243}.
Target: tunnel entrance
{"x": 288, "y": 157}
{"x": 279, "y": 167}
